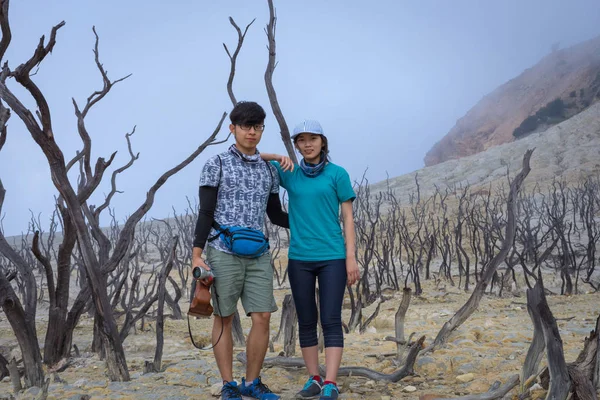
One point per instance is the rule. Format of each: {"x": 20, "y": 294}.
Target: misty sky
{"x": 387, "y": 79}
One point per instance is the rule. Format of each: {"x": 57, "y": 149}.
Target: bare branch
{"x": 90, "y": 185}
{"x": 21, "y": 74}
{"x": 35, "y": 249}
{"x": 5, "y": 26}
{"x": 113, "y": 180}
{"x": 22, "y": 267}
{"x": 233, "y": 58}
{"x": 91, "y": 101}
{"x": 284, "y": 130}
{"x": 4, "y": 116}
{"x": 98, "y": 95}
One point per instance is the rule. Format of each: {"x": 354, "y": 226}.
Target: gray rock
{"x": 119, "y": 386}
{"x": 425, "y": 360}
{"x": 466, "y": 368}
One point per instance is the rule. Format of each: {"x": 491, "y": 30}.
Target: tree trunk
{"x": 560, "y": 384}
{"x": 15, "y": 376}
{"x": 59, "y": 334}
{"x": 238, "y": 333}
{"x": 536, "y": 348}
{"x": 284, "y": 130}
{"x": 288, "y": 326}
{"x": 25, "y": 333}
{"x": 399, "y": 322}
{"x": 288, "y": 315}
{"x": 3, "y": 367}
{"x": 160, "y": 320}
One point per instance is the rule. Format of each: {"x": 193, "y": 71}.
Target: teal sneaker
{"x": 311, "y": 390}
{"x": 231, "y": 391}
{"x": 257, "y": 390}
{"x": 330, "y": 391}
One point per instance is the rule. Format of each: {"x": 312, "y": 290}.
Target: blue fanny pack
{"x": 241, "y": 241}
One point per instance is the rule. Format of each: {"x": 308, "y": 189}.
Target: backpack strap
{"x": 215, "y": 224}
{"x": 271, "y": 174}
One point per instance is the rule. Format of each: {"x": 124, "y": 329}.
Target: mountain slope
{"x": 569, "y": 150}
{"x": 572, "y": 74}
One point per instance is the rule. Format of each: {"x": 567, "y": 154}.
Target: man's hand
{"x": 352, "y": 271}
{"x": 199, "y": 262}
{"x": 286, "y": 163}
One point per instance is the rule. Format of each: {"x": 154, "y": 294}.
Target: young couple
{"x": 237, "y": 187}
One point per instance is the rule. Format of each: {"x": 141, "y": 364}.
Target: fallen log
{"x": 496, "y": 391}
{"x": 406, "y": 370}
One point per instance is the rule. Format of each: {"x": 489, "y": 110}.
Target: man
{"x": 236, "y": 188}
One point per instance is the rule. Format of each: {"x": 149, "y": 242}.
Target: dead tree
{"x": 288, "y": 326}
{"x": 386, "y": 252}
{"x": 367, "y": 218}
{"x": 579, "y": 378}
{"x": 557, "y": 211}
{"x": 233, "y": 57}
{"x": 401, "y": 343}
{"x": 21, "y": 316}
{"x": 471, "y": 305}
{"x": 75, "y": 200}
{"x": 155, "y": 366}
{"x": 546, "y": 324}
{"x": 284, "y": 130}
{"x": 444, "y": 235}
{"x": 588, "y": 197}
{"x": 184, "y": 226}
{"x": 561, "y": 379}
{"x": 461, "y": 254}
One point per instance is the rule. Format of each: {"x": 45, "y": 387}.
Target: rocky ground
{"x": 490, "y": 346}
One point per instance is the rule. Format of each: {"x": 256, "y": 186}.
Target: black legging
{"x": 332, "y": 284}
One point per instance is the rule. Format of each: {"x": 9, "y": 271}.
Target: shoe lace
{"x": 309, "y": 383}
{"x": 260, "y": 387}
{"x": 330, "y": 387}
{"x": 230, "y": 390}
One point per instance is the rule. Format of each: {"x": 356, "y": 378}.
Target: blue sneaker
{"x": 257, "y": 390}
{"x": 330, "y": 391}
{"x": 231, "y": 391}
{"x": 311, "y": 390}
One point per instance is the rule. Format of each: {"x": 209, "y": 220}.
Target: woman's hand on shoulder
{"x": 285, "y": 162}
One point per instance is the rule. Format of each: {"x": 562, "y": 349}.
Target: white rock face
{"x": 569, "y": 150}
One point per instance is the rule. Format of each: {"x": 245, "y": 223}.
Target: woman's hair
{"x": 324, "y": 147}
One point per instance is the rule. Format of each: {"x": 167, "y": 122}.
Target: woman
{"x": 317, "y": 188}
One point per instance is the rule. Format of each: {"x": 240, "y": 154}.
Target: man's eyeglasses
{"x": 247, "y": 127}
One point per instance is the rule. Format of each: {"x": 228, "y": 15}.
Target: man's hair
{"x": 247, "y": 112}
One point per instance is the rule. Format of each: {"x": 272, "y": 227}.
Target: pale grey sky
{"x": 387, "y": 79}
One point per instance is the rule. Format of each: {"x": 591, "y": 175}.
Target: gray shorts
{"x": 250, "y": 279}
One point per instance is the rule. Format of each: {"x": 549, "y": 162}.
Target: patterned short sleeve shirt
{"x": 244, "y": 187}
